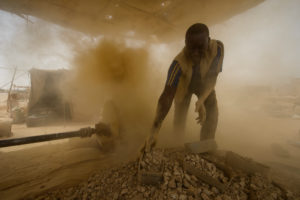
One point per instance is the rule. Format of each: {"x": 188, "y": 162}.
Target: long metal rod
{"x": 39, "y": 138}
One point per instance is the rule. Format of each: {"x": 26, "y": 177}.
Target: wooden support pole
{"x": 9, "y": 92}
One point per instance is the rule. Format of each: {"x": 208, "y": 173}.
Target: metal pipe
{"x": 43, "y": 138}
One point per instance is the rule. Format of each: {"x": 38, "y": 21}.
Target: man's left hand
{"x": 200, "y": 109}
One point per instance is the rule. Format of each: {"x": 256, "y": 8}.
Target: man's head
{"x": 196, "y": 41}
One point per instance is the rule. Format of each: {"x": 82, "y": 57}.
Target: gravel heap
{"x": 122, "y": 183}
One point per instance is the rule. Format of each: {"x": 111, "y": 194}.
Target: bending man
{"x": 193, "y": 71}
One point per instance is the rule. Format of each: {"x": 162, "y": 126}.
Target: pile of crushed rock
{"x": 184, "y": 176}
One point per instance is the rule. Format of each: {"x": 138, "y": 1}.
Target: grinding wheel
{"x": 110, "y": 117}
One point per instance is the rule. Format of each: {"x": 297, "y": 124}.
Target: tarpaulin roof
{"x": 161, "y": 19}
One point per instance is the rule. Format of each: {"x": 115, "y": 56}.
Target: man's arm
{"x": 164, "y": 104}
{"x": 167, "y": 96}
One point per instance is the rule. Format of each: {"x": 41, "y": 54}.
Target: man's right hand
{"x": 151, "y": 140}
{"x": 150, "y": 143}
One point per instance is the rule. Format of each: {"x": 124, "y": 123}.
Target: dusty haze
{"x": 261, "y": 59}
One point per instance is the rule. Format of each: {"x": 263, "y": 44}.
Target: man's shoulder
{"x": 174, "y": 63}
{"x": 220, "y": 44}
{"x": 180, "y": 56}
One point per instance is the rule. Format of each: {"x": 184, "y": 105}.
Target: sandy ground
{"x": 36, "y": 168}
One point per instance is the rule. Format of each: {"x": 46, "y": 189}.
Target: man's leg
{"x": 181, "y": 110}
{"x": 209, "y": 127}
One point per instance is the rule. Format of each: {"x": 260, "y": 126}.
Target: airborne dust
{"x": 114, "y": 71}
{"x": 257, "y": 90}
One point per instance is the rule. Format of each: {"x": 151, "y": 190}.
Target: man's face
{"x": 196, "y": 46}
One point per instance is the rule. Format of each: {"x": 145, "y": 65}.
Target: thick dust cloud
{"x": 112, "y": 70}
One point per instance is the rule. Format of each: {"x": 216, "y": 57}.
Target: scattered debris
{"x": 18, "y": 115}
{"x": 5, "y": 127}
{"x": 180, "y": 181}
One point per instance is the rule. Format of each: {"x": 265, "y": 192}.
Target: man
{"x": 193, "y": 71}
